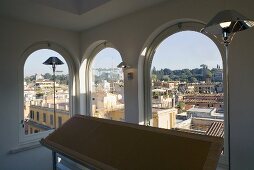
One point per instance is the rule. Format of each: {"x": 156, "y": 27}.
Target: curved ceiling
{"x": 74, "y": 15}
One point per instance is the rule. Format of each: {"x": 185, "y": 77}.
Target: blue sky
{"x": 187, "y": 49}
{"x": 34, "y": 62}
{"x": 107, "y": 58}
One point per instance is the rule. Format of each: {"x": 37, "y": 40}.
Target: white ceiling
{"x": 74, "y": 15}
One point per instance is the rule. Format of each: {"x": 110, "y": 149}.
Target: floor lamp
{"x": 54, "y": 61}
{"x": 224, "y": 25}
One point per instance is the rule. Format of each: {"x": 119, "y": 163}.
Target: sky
{"x": 33, "y": 64}
{"x": 107, "y": 58}
{"x": 186, "y": 49}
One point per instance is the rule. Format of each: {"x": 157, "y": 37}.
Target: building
{"x": 77, "y": 29}
{"x": 45, "y": 84}
{"x": 41, "y": 117}
{"x": 107, "y": 105}
{"x": 205, "y": 100}
{"x": 197, "y": 125}
{"x": 218, "y": 74}
{"x": 164, "y": 118}
{"x": 205, "y": 88}
{"x": 161, "y": 99}
{"x": 204, "y": 113}
{"x": 169, "y": 84}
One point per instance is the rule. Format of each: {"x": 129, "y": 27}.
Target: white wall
{"x": 130, "y": 33}
{"x": 15, "y": 38}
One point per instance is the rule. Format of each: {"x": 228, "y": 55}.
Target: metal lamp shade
{"x": 226, "y": 24}
{"x": 236, "y": 22}
{"x": 53, "y": 61}
{"x": 123, "y": 65}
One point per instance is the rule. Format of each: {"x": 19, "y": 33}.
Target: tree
{"x": 204, "y": 66}
{"x": 187, "y": 72}
{"x": 165, "y": 78}
{"x": 30, "y": 79}
{"x": 181, "y": 106}
{"x": 192, "y": 79}
{"x": 27, "y": 80}
{"x": 167, "y": 71}
{"x": 154, "y": 77}
{"x": 208, "y": 74}
{"x": 196, "y": 71}
{"x": 160, "y": 74}
{"x": 154, "y": 70}
{"x": 183, "y": 78}
{"x": 48, "y": 76}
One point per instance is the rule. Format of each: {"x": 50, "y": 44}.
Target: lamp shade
{"x": 53, "y": 61}
{"x": 123, "y": 65}
{"x": 229, "y": 21}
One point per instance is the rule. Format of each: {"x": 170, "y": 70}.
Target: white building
{"x": 204, "y": 113}
{"x": 130, "y": 27}
{"x": 45, "y": 84}
{"x": 164, "y": 118}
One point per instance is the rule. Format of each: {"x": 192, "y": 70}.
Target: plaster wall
{"x": 16, "y": 37}
{"x": 132, "y": 33}
{"x": 129, "y": 34}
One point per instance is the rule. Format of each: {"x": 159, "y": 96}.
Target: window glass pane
{"x": 39, "y": 92}
{"x": 59, "y": 121}
{"x": 51, "y": 120}
{"x": 107, "y": 99}
{"x": 38, "y": 116}
{"x": 44, "y": 117}
{"x": 187, "y": 84}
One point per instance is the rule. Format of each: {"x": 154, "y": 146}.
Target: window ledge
{"x": 25, "y": 147}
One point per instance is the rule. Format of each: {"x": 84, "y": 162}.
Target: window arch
{"x": 151, "y": 52}
{"x": 148, "y": 55}
{"x": 106, "y": 83}
{"x": 146, "y": 60}
{"x": 36, "y": 89}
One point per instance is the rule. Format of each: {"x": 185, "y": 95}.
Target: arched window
{"x": 106, "y": 85}
{"x": 46, "y": 97}
{"x": 184, "y": 82}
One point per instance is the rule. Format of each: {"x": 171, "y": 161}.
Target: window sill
{"x": 25, "y": 147}
{"x": 33, "y": 138}
{"x": 28, "y": 142}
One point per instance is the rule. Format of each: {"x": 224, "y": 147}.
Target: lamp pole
{"x": 226, "y": 45}
{"x": 225, "y": 24}
{"x": 54, "y": 94}
{"x": 54, "y": 61}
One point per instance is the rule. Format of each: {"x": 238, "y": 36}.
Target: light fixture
{"x": 54, "y": 61}
{"x": 123, "y": 65}
{"x": 225, "y": 24}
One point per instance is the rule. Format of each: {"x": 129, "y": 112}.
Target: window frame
{"x": 33, "y": 138}
{"x": 170, "y": 29}
{"x": 88, "y": 72}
